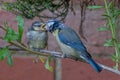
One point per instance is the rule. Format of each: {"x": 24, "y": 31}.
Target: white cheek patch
{"x": 36, "y": 28}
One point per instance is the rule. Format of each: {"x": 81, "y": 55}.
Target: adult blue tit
{"x": 37, "y": 37}
{"x": 70, "y": 42}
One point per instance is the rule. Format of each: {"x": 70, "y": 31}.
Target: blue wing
{"x": 70, "y": 38}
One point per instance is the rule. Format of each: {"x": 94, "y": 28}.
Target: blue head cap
{"x": 37, "y": 24}
{"x": 52, "y": 25}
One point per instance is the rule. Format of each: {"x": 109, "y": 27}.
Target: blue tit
{"x": 70, "y": 43}
{"x": 37, "y": 37}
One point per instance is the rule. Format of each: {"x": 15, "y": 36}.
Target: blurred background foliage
{"x": 47, "y": 9}
{"x": 36, "y": 8}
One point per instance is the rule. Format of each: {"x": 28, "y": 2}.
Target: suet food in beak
{"x": 43, "y": 27}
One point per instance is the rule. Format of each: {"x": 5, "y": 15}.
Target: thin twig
{"x": 27, "y": 49}
{"x": 109, "y": 69}
{"x": 2, "y": 28}
{"x": 13, "y": 48}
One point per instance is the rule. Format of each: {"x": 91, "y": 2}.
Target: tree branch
{"x": 21, "y": 47}
{"x": 59, "y": 55}
{"x": 109, "y": 69}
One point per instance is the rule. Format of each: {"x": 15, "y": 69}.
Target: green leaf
{"x": 106, "y": 15}
{"x": 109, "y": 43}
{"x": 111, "y": 4}
{"x": 5, "y": 25}
{"x": 42, "y": 59}
{"x": 113, "y": 57}
{"x": 103, "y": 29}
{"x": 10, "y": 60}
{"x": 115, "y": 67}
{"x": 47, "y": 64}
{"x": 11, "y": 35}
{"x": 119, "y": 45}
{"x": 117, "y": 14}
{"x": 20, "y": 21}
{"x": 95, "y": 7}
{"x": 3, "y": 53}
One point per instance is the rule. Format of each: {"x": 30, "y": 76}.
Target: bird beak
{"x": 43, "y": 27}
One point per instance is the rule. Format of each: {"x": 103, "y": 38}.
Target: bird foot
{"x": 59, "y": 55}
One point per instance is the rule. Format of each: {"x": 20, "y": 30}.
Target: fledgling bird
{"x": 70, "y": 43}
{"x": 37, "y": 37}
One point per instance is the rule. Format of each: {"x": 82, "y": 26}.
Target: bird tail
{"x": 94, "y": 65}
